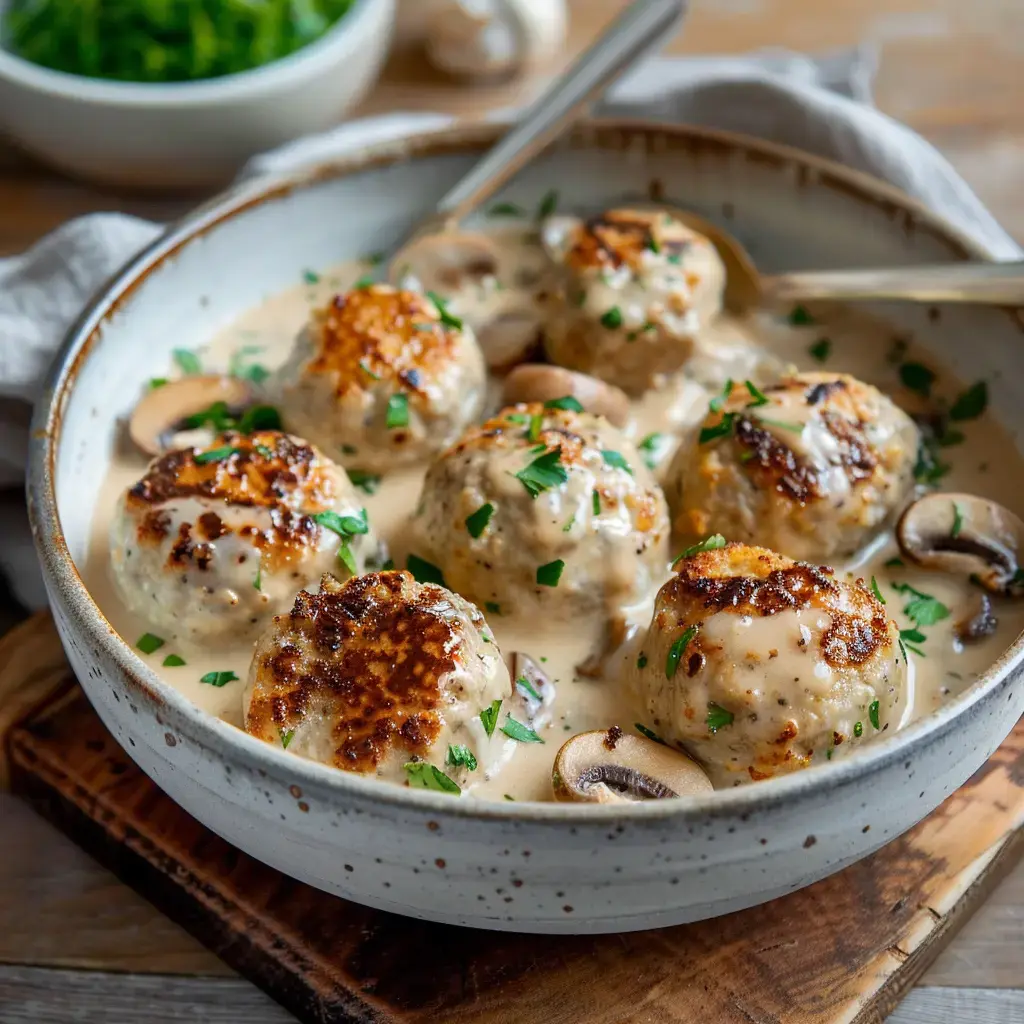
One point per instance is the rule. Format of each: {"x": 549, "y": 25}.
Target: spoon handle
{"x": 643, "y": 25}
{"x": 993, "y": 284}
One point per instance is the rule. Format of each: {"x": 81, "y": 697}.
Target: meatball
{"x": 811, "y": 466}
{"x": 382, "y": 377}
{"x": 545, "y": 504}
{"x": 385, "y": 676}
{"x": 757, "y": 664}
{"x": 637, "y": 287}
{"x": 213, "y": 542}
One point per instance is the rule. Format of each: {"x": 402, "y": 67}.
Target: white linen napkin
{"x": 818, "y": 104}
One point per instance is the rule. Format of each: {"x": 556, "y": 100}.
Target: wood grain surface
{"x": 845, "y": 949}
{"x": 951, "y": 70}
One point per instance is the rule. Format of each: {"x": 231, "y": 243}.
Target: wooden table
{"x": 77, "y": 945}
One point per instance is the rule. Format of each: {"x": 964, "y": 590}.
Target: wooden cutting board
{"x": 843, "y": 950}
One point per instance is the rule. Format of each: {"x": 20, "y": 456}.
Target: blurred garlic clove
{"x": 490, "y": 38}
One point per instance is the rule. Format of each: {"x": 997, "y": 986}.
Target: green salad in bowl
{"x": 163, "y": 40}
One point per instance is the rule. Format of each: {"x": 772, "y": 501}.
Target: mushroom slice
{"x": 162, "y": 410}
{"x": 445, "y": 261}
{"x": 618, "y": 633}
{"x": 611, "y": 766}
{"x": 533, "y": 692}
{"x": 979, "y": 624}
{"x": 509, "y": 339}
{"x": 965, "y": 534}
{"x": 537, "y": 382}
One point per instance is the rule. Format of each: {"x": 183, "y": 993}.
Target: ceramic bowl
{"x": 191, "y": 134}
{"x": 517, "y": 866}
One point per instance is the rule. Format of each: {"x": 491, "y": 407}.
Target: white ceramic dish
{"x": 530, "y": 867}
{"x": 191, "y": 134}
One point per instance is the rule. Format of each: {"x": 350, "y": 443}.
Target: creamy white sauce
{"x": 728, "y": 349}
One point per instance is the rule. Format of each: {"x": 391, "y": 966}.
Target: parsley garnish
{"x": 595, "y": 502}
{"x": 641, "y": 662}
{"x": 188, "y": 362}
{"x": 758, "y": 396}
{"x": 718, "y": 717}
{"x": 970, "y": 404}
{"x": 716, "y": 403}
{"x": 958, "y": 521}
{"x": 347, "y": 559}
{"x": 259, "y": 417}
{"x": 796, "y": 428}
{"x": 286, "y": 737}
{"x": 492, "y": 608}
{"x": 821, "y": 350}
{"x": 424, "y": 571}
{"x": 366, "y": 369}
{"x": 569, "y": 523}
{"x": 873, "y": 713}
{"x": 218, "y": 678}
{"x": 928, "y": 469}
{"x": 460, "y": 756}
{"x": 344, "y": 526}
{"x": 149, "y": 642}
{"x": 506, "y": 210}
{"x": 616, "y": 461}
{"x": 644, "y": 731}
{"x": 366, "y": 482}
{"x": 566, "y": 402}
{"x": 894, "y": 563}
{"x": 917, "y": 377}
{"x": 534, "y": 429}
{"x": 398, "y": 412}
{"x": 310, "y": 277}
{"x": 216, "y": 454}
{"x": 543, "y": 472}
{"x": 923, "y": 610}
{"x": 519, "y": 732}
{"x": 799, "y": 317}
{"x": 489, "y": 716}
{"x": 875, "y": 590}
{"x": 612, "y": 318}
{"x": 258, "y": 582}
{"x": 366, "y": 281}
{"x": 448, "y": 319}
{"x": 676, "y": 650}
{"x": 649, "y": 447}
{"x": 723, "y": 428}
{"x": 477, "y": 522}
{"x": 548, "y": 204}
{"x": 524, "y": 684}
{"x": 156, "y": 382}
{"x": 549, "y": 575}
{"x": 712, "y": 543}
{"x": 173, "y": 661}
{"x": 423, "y": 775}
{"x": 858, "y": 729}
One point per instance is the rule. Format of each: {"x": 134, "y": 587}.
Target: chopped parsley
{"x": 712, "y": 543}
{"x": 549, "y": 575}
{"x": 873, "y": 713}
{"x": 923, "y": 609}
{"x": 858, "y": 729}
{"x": 506, "y": 210}
{"x": 654, "y": 245}
{"x": 366, "y": 482}
{"x": 492, "y": 607}
{"x": 366, "y": 281}
{"x": 173, "y": 661}
{"x": 723, "y": 428}
{"x": 477, "y": 522}
{"x": 524, "y": 684}
{"x": 310, "y": 277}
{"x": 258, "y": 582}
{"x": 876, "y": 591}
{"x": 216, "y": 454}
{"x": 534, "y": 429}
{"x": 375, "y": 258}
{"x": 286, "y": 737}
{"x": 519, "y": 732}
{"x": 566, "y": 402}
{"x": 929, "y": 469}
{"x": 616, "y": 461}
{"x": 716, "y": 403}
{"x": 218, "y": 678}
{"x": 548, "y": 205}
{"x": 448, "y": 319}
{"x": 641, "y": 662}
{"x": 489, "y": 716}
{"x": 757, "y": 395}
{"x": 676, "y": 650}
{"x": 398, "y": 411}
{"x": 718, "y": 717}
{"x": 259, "y": 417}
{"x": 544, "y": 472}
{"x": 188, "y": 362}
{"x": 423, "y": 775}
{"x": 262, "y": 449}
{"x": 612, "y": 318}
{"x": 644, "y": 731}
{"x": 149, "y": 642}
{"x": 821, "y": 350}
{"x": 595, "y": 502}
{"x": 344, "y": 526}
{"x": 958, "y": 521}
{"x": 460, "y": 756}
{"x": 917, "y": 377}
{"x": 569, "y": 523}
{"x": 970, "y": 404}
{"x": 799, "y": 317}
{"x": 646, "y": 326}
{"x": 796, "y": 428}
{"x": 650, "y": 448}
{"x": 156, "y": 382}
{"x": 366, "y": 369}
{"x": 424, "y": 571}
{"x": 347, "y": 559}
{"x": 895, "y": 563}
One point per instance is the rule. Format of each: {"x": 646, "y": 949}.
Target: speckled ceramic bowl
{"x": 530, "y": 867}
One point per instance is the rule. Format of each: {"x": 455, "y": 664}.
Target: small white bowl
{"x": 191, "y": 134}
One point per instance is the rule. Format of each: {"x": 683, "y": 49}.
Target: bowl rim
{"x": 213, "y": 734}
{"x": 261, "y": 80}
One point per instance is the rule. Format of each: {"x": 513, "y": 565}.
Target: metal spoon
{"x": 995, "y": 284}
{"x": 640, "y": 28}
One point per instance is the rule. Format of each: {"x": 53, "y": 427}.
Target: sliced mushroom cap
{"x": 980, "y": 623}
{"x": 510, "y": 338}
{"x": 964, "y": 534}
{"x": 163, "y": 409}
{"x": 615, "y": 767}
{"x": 533, "y": 692}
{"x": 445, "y": 262}
{"x": 537, "y": 382}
